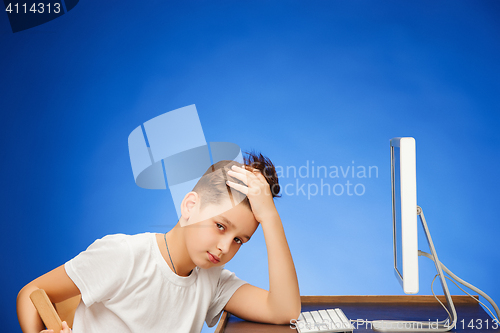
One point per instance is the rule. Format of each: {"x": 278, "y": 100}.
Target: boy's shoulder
{"x": 121, "y": 236}
{"x": 135, "y": 242}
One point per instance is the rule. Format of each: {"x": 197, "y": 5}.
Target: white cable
{"x": 487, "y": 308}
{"x": 468, "y": 285}
{"x": 432, "y": 289}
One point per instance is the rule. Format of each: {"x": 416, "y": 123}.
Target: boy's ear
{"x": 188, "y": 204}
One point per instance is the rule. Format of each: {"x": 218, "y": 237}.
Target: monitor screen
{"x": 404, "y": 213}
{"x": 396, "y": 212}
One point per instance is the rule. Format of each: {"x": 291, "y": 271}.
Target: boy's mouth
{"x": 213, "y": 258}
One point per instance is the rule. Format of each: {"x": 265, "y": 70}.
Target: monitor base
{"x": 420, "y": 326}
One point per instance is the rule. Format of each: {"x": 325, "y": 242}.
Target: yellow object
{"x": 52, "y": 316}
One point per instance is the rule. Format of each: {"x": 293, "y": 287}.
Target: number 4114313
{"x": 35, "y": 8}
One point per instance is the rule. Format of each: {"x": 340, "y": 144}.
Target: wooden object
{"x": 53, "y": 317}
{"x": 222, "y": 322}
{"x": 46, "y": 310}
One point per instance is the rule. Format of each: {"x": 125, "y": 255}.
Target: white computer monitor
{"x": 405, "y": 216}
{"x": 404, "y": 212}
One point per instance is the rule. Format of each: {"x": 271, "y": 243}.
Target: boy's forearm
{"x": 284, "y": 294}
{"x": 26, "y": 312}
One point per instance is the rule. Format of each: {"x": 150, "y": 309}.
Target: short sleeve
{"x": 101, "y": 269}
{"x": 226, "y": 286}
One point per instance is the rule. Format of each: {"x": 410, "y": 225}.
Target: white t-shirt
{"x": 127, "y": 286}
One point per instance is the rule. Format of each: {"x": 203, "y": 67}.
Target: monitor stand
{"x": 422, "y": 326}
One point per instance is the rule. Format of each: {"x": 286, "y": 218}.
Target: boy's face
{"x": 219, "y": 234}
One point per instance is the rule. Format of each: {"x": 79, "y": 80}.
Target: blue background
{"x": 324, "y": 81}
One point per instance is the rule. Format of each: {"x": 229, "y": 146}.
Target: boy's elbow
{"x": 286, "y": 320}
{"x": 288, "y": 317}
{"x": 22, "y": 292}
{"x": 26, "y": 291}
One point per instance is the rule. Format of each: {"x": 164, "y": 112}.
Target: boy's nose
{"x": 224, "y": 246}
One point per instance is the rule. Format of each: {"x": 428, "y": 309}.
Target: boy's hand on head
{"x": 257, "y": 190}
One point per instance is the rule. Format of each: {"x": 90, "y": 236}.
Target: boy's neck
{"x": 177, "y": 249}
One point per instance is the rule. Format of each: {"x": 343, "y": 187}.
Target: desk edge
{"x": 457, "y": 299}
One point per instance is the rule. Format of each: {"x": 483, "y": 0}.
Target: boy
{"x": 174, "y": 282}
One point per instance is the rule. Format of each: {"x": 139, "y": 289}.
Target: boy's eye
{"x": 221, "y": 228}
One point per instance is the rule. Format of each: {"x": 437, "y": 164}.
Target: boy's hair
{"x": 212, "y": 187}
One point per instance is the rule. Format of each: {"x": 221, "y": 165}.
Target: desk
{"x": 400, "y": 307}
